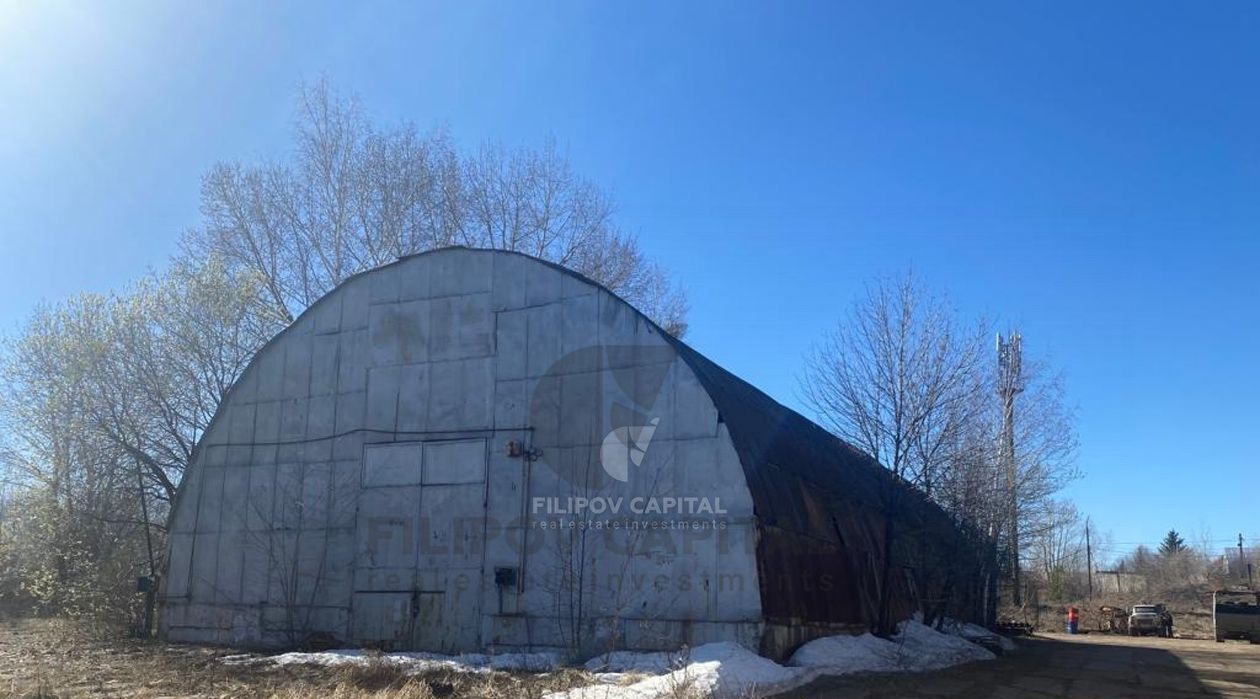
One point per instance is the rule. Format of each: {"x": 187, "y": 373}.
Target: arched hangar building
{"x": 473, "y": 449}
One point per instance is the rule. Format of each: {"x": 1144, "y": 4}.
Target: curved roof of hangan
{"x": 772, "y": 440}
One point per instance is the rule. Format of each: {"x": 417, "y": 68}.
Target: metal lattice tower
{"x": 1010, "y": 384}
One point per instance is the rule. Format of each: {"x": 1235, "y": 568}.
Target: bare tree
{"x": 904, "y": 380}
{"x": 354, "y": 196}
{"x": 1056, "y": 547}
{"x": 898, "y": 377}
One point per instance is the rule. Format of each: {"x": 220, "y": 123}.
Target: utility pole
{"x": 1010, "y": 384}
{"x": 1242, "y": 561}
{"x": 1089, "y": 561}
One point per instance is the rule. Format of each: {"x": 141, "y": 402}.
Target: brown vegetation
{"x": 56, "y": 659}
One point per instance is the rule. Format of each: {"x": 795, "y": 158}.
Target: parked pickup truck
{"x": 1145, "y": 619}
{"x": 1236, "y": 614}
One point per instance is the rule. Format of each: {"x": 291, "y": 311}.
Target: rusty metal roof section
{"x": 821, "y": 505}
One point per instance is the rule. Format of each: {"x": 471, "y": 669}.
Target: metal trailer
{"x": 1238, "y": 617}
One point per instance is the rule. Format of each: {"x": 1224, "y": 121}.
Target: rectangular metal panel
{"x": 463, "y": 608}
{"x": 387, "y": 526}
{"x": 455, "y": 462}
{"x": 449, "y": 620}
{"x": 429, "y": 631}
{"x": 181, "y": 558}
{"x": 381, "y": 618}
{"x": 391, "y": 464}
{"x": 452, "y": 526}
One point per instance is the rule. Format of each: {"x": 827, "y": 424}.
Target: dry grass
{"x": 49, "y": 659}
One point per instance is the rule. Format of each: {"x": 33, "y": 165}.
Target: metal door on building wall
{"x": 451, "y": 544}
{"x": 421, "y": 539}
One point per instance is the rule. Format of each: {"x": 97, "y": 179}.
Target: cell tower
{"x": 1010, "y": 384}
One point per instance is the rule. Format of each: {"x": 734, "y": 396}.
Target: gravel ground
{"x": 1089, "y": 666}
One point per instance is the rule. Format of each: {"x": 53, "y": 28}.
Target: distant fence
{"x": 1116, "y": 582}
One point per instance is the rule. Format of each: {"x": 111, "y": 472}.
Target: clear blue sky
{"x": 1089, "y": 172}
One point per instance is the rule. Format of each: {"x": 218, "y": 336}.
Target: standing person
{"x": 1166, "y": 619}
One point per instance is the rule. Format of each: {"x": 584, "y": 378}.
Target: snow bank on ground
{"x": 842, "y": 655}
{"x": 729, "y": 671}
{"x": 928, "y": 649}
{"x": 915, "y": 648}
{"x": 420, "y": 662}
{"x": 717, "y": 670}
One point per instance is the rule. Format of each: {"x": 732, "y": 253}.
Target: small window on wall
{"x": 391, "y": 465}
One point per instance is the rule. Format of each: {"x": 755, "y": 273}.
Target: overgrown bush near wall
{"x": 65, "y": 561}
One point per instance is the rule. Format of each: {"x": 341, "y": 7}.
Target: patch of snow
{"x": 717, "y": 670}
{"x": 975, "y": 632}
{"x": 915, "y": 648}
{"x": 842, "y": 655}
{"x": 241, "y": 659}
{"x": 612, "y": 677}
{"x": 928, "y": 649}
{"x": 420, "y": 662}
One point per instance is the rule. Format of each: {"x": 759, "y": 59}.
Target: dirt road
{"x": 1076, "y": 667}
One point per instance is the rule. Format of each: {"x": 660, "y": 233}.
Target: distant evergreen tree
{"x": 1172, "y": 543}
